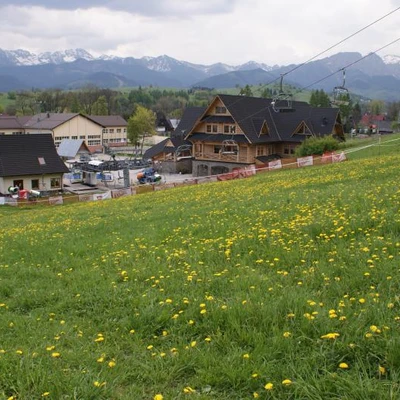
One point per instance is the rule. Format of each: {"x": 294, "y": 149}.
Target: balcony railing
{"x": 220, "y": 157}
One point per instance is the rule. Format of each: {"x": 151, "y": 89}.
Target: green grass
{"x": 277, "y": 262}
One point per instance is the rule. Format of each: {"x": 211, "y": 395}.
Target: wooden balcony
{"x": 223, "y": 157}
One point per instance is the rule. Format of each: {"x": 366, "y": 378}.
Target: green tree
{"x": 319, "y": 99}
{"x": 140, "y": 125}
{"x": 100, "y": 106}
{"x": 246, "y": 91}
{"x": 376, "y": 107}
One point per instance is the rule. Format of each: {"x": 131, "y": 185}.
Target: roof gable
{"x": 29, "y": 155}
{"x": 302, "y": 129}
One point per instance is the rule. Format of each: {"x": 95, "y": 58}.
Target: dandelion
{"x": 193, "y": 343}
{"x": 286, "y": 382}
{"x": 112, "y": 364}
{"x": 382, "y": 370}
{"x": 333, "y": 335}
{"x": 45, "y": 394}
{"x": 286, "y": 334}
{"x": 343, "y": 365}
{"x": 246, "y": 355}
{"x": 158, "y": 396}
{"x": 269, "y": 386}
{"x": 56, "y": 355}
{"x": 98, "y": 384}
{"x": 188, "y": 390}
{"x": 256, "y": 395}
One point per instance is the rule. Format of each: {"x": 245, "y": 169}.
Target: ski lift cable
{"x": 328, "y": 76}
{"x": 326, "y": 50}
{"x": 351, "y": 64}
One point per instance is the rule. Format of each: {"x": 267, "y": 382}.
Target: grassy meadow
{"x": 280, "y": 286}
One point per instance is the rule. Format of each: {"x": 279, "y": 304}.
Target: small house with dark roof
{"x": 235, "y": 131}
{"x": 30, "y": 162}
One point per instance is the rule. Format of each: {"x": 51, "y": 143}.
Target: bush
{"x": 317, "y": 146}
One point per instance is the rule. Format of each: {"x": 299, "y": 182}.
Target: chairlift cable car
{"x": 183, "y": 152}
{"x": 282, "y": 101}
{"x": 341, "y": 93}
{"x": 229, "y": 146}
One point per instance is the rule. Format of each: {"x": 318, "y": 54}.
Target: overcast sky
{"x": 200, "y": 31}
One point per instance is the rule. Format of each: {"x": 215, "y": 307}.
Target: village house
{"x": 237, "y": 131}
{"x": 30, "y": 162}
{"x": 96, "y": 131}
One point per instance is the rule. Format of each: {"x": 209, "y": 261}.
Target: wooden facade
{"x": 235, "y": 130}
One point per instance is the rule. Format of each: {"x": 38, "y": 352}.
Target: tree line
{"x": 92, "y": 100}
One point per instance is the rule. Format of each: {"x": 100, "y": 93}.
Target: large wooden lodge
{"x": 237, "y": 131}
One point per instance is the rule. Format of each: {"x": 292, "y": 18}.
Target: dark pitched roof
{"x": 189, "y": 118}
{"x": 48, "y": 120}
{"x": 29, "y": 155}
{"x": 162, "y": 147}
{"x": 10, "y": 122}
{"x": 108, "y": 120}
{"x": 252, "y": 112}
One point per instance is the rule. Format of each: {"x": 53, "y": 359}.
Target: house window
{"x": 111, "y": 130}
{"x": 35, "y": 184}
{"x": 19, "y": 183}
{"x": 82, "y": 137}
{"x": 42, "y": 161}
{"x": 289, "y": 149}
{"x": 74, "y": 137}
{"x": 233, "y": 129}
{"x": 260, "y": 151}
{"x": 124, "y": 130}
{"x": 226, "y": 128}
{"x": 217, "y": 149}
{"x": 118, "y": 130}
{"x": 55, "y": 183}
{"x": 208, "y": 128}
{"x": 215, "y": 128}
{"x": 220, "y": 110}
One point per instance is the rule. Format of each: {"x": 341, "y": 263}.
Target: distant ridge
{"x": 373, "y": 77}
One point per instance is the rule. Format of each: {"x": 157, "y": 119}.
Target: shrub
{"x": 317, "y": 146}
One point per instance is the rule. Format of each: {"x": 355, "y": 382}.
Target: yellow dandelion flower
{"x": 158, "y": 396}
{"x": 287, "y": 382}
{"x": 286, "y": 334}
{"x": 188, "y": 390}
{"x": 246, "y": 355}
{"x": 333, "y": 335}
{"x": 269, "y": 386}
{"x": 343, "y": 365}
{"x": 382, "y": 370}
{"x": 256, "y": 395}
{"x": 56, "y": 355}
{"x": 45, "y": 394}
{"x": 112, "y": 364}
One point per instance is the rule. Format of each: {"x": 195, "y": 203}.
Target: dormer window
{"x": 220, "y": 110}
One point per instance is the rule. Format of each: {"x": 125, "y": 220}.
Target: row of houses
{"x": 232, "y": 132}
{"x": 95, "y": 130}
{"x": 237, "y": 131}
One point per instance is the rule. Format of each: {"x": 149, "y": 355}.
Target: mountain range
{"x": 372, "y": 76}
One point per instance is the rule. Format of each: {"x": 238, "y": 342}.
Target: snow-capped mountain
{"x": 23, "y": 57}
{"x": 391, "y": 59}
